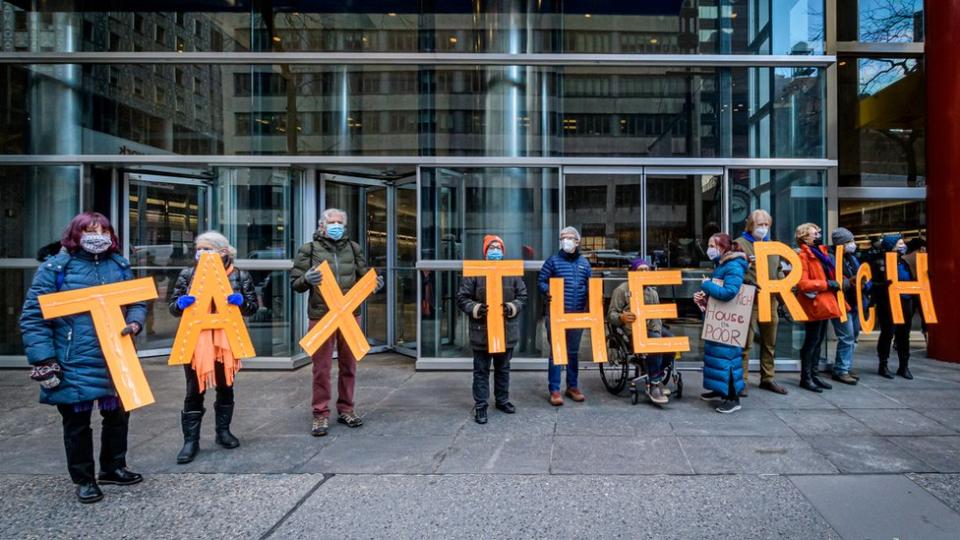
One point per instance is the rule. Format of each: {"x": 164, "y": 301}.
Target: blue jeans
{"x": 847, "y": 333}
{"x": 573, "y": 356}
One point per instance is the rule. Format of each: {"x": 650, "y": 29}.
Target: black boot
{"x": 883, "y": 371}
{"x": 820, "y": 382}
{"x": 89, "y": 492}
{"x": 190, "y": 422}
{"x": 223, "y": 417}
{"x": 904, "y": 370}
{"x": 808, "y": 384}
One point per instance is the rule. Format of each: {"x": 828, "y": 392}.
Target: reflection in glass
{"x": 37, "y": 203}
{"x": 869, "y": 219}
{"x": 13, "y": 290}
{"x": 459, "y": 206}
{"x": 545, "y": 26}
{"x": 409, "y": 111}
{"x": 881, "y": 118}
{"x": 683, "y": 212}
{"x": 607, "y": 210}
{"x": 880, "y": 21}
{"x": 254, "y": 211}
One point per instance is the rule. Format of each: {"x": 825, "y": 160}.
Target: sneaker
{"x": 666, "y": 391}
{"x": 711, "y": 396}
{"x": 320, "y": 425}
{"x": 729, "y": 406}
{"x": 556, "y": 399}
{"x": 655, "y": 393}
{"x": 350, "y": 418}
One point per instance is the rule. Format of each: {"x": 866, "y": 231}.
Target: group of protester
{"x": 69, "y": 364}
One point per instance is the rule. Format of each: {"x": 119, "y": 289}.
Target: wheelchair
{"x": 623, "y": 368}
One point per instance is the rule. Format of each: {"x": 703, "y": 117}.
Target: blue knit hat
{"x": 889, "y": 241}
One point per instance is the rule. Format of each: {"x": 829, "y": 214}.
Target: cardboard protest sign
{"x": 728, "y": 322}
{"x": 104, "y": 304}
{"x": 493, "y": 272}
{"x": 211, "y": 287}
{"x": 642, "y": 344}
{"x": 560, "y": 321}
{"x": 768, "y": 287}
{"x": 920, "y": 287}
{"x": 339, "y": 315}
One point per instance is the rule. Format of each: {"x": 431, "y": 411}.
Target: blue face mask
{"x": 335, "y": 231}
{"x": 494, "y": 254}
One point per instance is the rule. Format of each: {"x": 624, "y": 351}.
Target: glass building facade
{"x": 646, "y": 125}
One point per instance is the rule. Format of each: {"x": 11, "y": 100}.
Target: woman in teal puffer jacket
{"x": 66, "y": 355}
{"x": 722, "y": 363}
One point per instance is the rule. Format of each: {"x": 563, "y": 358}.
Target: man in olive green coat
{"x": 330, "y": 244}
{"x": 757, "y": 229}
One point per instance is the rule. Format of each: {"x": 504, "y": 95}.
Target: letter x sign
{"x": 339, "y": 315}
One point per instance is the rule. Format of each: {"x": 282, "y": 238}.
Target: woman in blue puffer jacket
{"x": 722, "y": 363}
{"x": 66, "y": 355}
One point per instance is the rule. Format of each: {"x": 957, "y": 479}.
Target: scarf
{"x": 751, "y": 239}
{"x": 213, "y": 347}
{"x": 827, "y": 263}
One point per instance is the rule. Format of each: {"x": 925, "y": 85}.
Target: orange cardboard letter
{"x": 920, "y": 287}
{"x": 592, "y": 320}
{"x": 641, "y": 343}
{"x": 767, "y": 287}
{"x": 103, "y": 303}
{"x": 493, "y": 273}
{"x": 340, "y": 313}
{"x": 210, "y": 286}
{"x": 838, "y": 265}
{"x": 869, "y": 319}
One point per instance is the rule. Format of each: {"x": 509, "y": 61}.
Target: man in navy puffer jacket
{"x": 574, "y": 268}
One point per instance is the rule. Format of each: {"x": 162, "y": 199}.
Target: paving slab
{"x": 948, "y": 417}
{"x": 747, "y": 422}
{"x": 941, "y": 453}
{"x": 885, "y": 506}
{"x": 867, "y": 455}
{"x": 618, "y": 455}
{"x": 899, "y": 422}
{"x": 380, "y": 455}
{"x": 498, "y": 454}
{"x": 754, "y": 455}
{"x": 170, "y": 506}
{"x": 520, "y": 506}
{"x": 823, "y": 422}
{"x": 945, "y": 487}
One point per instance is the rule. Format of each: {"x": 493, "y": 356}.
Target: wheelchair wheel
{"x": 615, "y": 372}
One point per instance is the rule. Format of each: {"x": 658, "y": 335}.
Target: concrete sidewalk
{"x": 878, "y": 460}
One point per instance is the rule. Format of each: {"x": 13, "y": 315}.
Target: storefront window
{"x": 869, "y": 219}
{"x": 881, "y": 117}
{"x": 459, "y": 206}
{"x": 254, "y": 210}
{"x": 880, "y": 21}
{"x": 676, "y": 27}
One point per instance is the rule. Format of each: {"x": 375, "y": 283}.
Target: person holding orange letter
{"x": 68, "y": 361}
{"x": 817, "y": 294}
{"x": 889, "y": 331}
{"x": 472, "y": 300}
{"x": 213, "y": 363}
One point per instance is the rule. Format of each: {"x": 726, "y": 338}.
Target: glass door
{"x": 404, "y": 277}
{"x": 161, "y": 217}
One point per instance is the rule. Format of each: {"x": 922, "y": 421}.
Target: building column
{"x": 943, "y": 171}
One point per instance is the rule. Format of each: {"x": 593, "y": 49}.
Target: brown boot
{"x": 556, "y": 399}
{"x": 575, "y": 394}
{"x": 845, "y": 378}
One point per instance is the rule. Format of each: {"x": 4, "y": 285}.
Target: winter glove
{"x": 132, "y": 328}
{"x": 832, "y": 285}
{"x": 627, "y": 318}
{"x": 235, "y": 299}
{"x": 380, "y": 283}
{"x": 479, "y": 311}
{"x": 47, "y": 373}
{"x": 313, "y": 277}
{"x": 185, "y": 301}
{"x": 510, "y": 310}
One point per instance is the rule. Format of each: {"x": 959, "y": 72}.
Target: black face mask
{"x": 818, "y": 241}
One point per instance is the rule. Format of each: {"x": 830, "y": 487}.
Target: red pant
{"x": 322, "y": 362}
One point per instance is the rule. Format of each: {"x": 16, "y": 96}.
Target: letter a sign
{"x": 211, "y": 287}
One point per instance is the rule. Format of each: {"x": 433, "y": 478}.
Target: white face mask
{"x": 850, "y": 247}
{"x": 760, "y": 233}
{"x": 713, "y": 253}
{"x": 568, "y": 245}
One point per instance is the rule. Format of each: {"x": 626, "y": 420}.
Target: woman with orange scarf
{"x": 213, "y": 363}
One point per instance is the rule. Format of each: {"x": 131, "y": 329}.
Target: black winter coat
{"x": 240, "y": 280}
{"x": 473, "y": 291}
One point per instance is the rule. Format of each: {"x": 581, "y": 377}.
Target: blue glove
{"x": 185, "y": 301}
{"x": 235, "y": 299}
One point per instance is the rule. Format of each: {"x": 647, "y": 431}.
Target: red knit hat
{"x": 489, "y": 239}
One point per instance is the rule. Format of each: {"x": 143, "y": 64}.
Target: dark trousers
{"x": 814, "y": 334}
{"x": 654, "y": 364}
{"x": 78, "y": 442}
{"x": 481, "y": 376}
{"x": 194, "y": 399}
{"x": 890, "y": 332}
